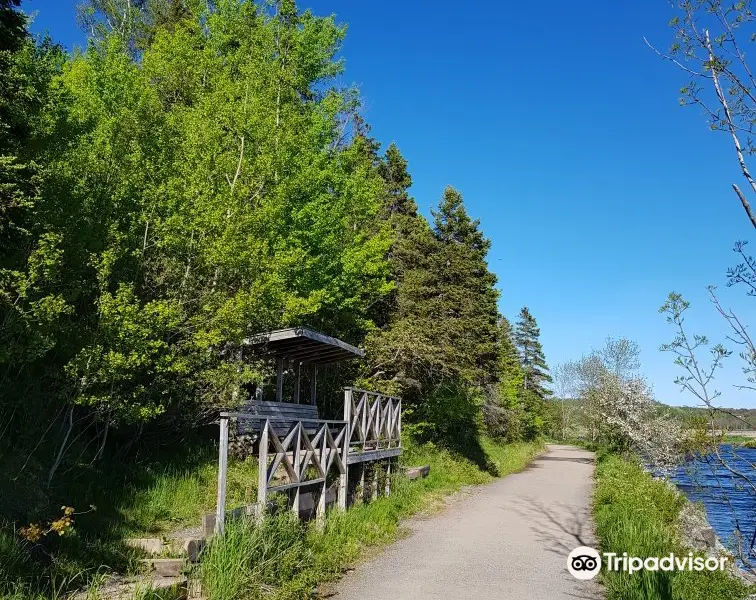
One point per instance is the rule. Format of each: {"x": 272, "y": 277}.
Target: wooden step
{"x": 176, "y": 547}
{"x": 165, "y": 567}
{"x": 152, "y": 546}
{"x": 119, "y": 587}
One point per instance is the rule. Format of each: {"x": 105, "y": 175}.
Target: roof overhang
{"x": 303, "y": 345}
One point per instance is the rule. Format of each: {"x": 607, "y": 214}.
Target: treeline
{"x": 193, "y": 177}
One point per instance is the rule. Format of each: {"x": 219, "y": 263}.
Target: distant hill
{"x": 728, "y": 419}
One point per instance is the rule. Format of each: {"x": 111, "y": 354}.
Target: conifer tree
{"x": 535, "y": 369}
{"x": 439, "y": 348}
{"x": 469, "y": 297}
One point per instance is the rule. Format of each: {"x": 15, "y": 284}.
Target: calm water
{"x": 729, "y": 504}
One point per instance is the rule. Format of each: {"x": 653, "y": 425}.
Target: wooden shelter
{"x": 297, "y": 451}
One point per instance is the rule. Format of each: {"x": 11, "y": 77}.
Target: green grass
{"x": 285, "y": 559}
{"x": 741, "y": 440}
{"x": 177, "y": 498}
{"x": 638, "y": 515}
{"x": 154, "y": 496}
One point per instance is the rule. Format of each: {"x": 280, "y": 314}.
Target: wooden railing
{"x": 375, "y": 420}
{"x": 307, "y": 451}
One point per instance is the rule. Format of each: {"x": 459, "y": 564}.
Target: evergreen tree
{"x": 503, "y": 405}
{"x": 468, "y": 298}
{"x": 393, "y": 169}
{"x": 535, "y": 369}
{"x": 12, "y": 26}
{"x": 439, "y": 348}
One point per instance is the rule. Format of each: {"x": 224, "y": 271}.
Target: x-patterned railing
{"x": 375, "y": 420}
{"x": 307, "y": 449}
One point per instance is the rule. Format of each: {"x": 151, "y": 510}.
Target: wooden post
{"x": 262, "y": 471}
{"x": 279, "y": 380}
{"x": 362, "y": 482}
{"x": 344, "y": 477}
{"x": 220, "y": 508}
{"x": 313, "y": 384}
{"x": 399, "y": 422}
{"x": 323, "y": 457}
{"x": 374, "y": 480}
{"x": 296, "y": 382}
{"x": 297, "y": 467}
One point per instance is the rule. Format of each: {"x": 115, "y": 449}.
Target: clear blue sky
{"x": 563, "y": 131}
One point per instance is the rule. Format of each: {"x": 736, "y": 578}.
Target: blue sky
{"x": 563, "y": 131}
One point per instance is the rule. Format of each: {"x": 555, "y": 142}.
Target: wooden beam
{"x": 297, "y": 468}
{"x": 313, "y": 384}
{"x": 361, "y": 457}
{"x": 220, "y": 508}
{"x": 297, "y": 382}
{"x": 279, "y": 380}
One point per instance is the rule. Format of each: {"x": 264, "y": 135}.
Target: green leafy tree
{"x": 185, "y": 200}
{"x": 12, "y": 26}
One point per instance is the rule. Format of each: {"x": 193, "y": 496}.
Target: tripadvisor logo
{"x": 585, "y": 563}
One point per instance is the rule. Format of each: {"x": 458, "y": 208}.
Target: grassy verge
{"x": 741, "y": 440}
{"x": 285, "y": 559}
{"x": 153, "y": 497}
{"x": 638, "y": 515}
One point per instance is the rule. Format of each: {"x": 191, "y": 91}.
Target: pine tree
{"x": 12, "y": 26}
{"x": 440, "y": 347}
{"x": 468, "y": 298}
{"x": 393, "y": 169}
{"x": 535, "y": 369}
{"x": 503, "y": 404}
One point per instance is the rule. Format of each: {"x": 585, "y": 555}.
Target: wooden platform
{"x": 368, "y": 455}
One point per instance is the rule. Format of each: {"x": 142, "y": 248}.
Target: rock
{"x": 193, "y": 547}
{"x": 417, "y": 472}
{"x": 695, "y": 530}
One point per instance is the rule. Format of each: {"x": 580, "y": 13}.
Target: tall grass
{"x": 638, "y": 515}
{"x": 285, "y": 559}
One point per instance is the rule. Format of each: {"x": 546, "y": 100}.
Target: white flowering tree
{"x": 618, "y": 406}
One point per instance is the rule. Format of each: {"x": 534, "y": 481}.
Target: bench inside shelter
{"x": 281, "y": 415}
{"x": 296, "y": 352}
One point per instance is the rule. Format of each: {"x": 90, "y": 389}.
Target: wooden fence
{"x": 375, "y": 424}
{"x": 308, "y": 449}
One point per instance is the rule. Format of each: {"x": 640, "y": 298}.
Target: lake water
{"x": 729, "y": 504}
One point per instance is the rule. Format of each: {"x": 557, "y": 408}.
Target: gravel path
{"x": 508, "y": 540}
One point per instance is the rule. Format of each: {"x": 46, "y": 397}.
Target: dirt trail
{"x": 508, "y": 540}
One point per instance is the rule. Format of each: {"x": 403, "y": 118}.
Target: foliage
{"x": 638, "y": 515}
{"x": 159, "y": 230}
